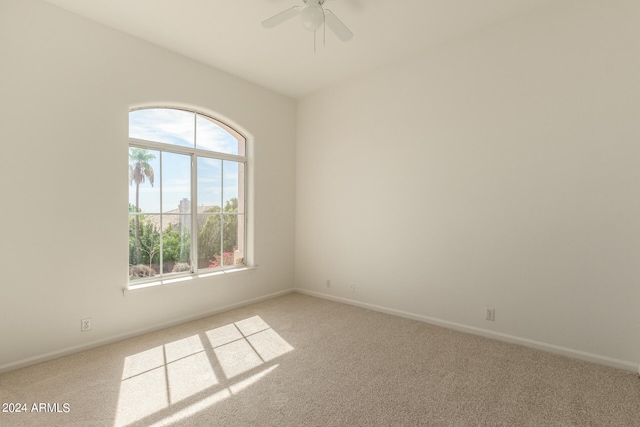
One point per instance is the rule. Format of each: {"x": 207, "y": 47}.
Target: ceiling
{"x": 227, "y": 34}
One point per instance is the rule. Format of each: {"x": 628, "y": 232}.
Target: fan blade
{"x": 337, "y": 26}
{"x": 281, "y": 17}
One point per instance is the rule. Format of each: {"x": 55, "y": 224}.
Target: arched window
{"x": 186, "y": 194}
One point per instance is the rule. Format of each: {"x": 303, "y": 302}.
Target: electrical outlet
{"x": 491, "y": 314}
{"x": 328, "y": 283}
{"x": 85, "y": 324}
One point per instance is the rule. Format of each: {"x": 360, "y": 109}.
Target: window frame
{"x": 194, "y": 153}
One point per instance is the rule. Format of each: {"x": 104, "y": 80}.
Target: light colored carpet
{"x": 298, "y": 360}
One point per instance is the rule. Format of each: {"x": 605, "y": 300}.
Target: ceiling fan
{"x": 312, "y": 15}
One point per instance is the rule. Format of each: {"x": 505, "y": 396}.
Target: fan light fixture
{"x": 312, "y": 16}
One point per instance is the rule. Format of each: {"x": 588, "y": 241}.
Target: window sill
{"x": 185, "y": 279}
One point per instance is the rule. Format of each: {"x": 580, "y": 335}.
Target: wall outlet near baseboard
{"x": 85, "y": 324}
{"x": 490, "y": 314}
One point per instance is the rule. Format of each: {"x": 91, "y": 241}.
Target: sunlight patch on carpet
{"x": 215, "y": 398}
{"x": 237, "y": 357}
{"x": 269, "y": 345}
{"x": 176, "y": 380}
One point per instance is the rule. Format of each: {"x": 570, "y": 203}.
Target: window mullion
{"x": 194, "y": 196}
{"x": 194, "y": 213}
{"x": 161, "y": 232}
{"x": 245, "y": 209}
{"x": 152, "y": 145}
{"x": 222, "y": 216}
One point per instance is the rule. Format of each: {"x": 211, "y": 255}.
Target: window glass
{"x": 209, "y": 182}
{"x": 214, "y": 137}
{"x": 163, "y": 125}
{"x": 209, "y": 238}
{"x": 144, "y": 191}
{"x": 230, "y": 187}
{"x": 176, "y": 182}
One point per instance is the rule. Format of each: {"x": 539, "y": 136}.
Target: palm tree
{"x": 139, "y": 171}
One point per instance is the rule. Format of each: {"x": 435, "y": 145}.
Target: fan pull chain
{"x": 324, "y": 29}
{"x": 324, "y": 36}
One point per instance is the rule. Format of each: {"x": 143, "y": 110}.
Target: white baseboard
{"x": 538, "y": 345}
{"x": 577, "y": 354}
{"x": 70, "y": 350}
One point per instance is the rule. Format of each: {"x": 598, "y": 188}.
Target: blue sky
{"x": 217, "y": 179}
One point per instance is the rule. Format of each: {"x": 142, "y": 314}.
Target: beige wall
{"x": 66, "y": 85}
{"x": 501, "y": 170}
